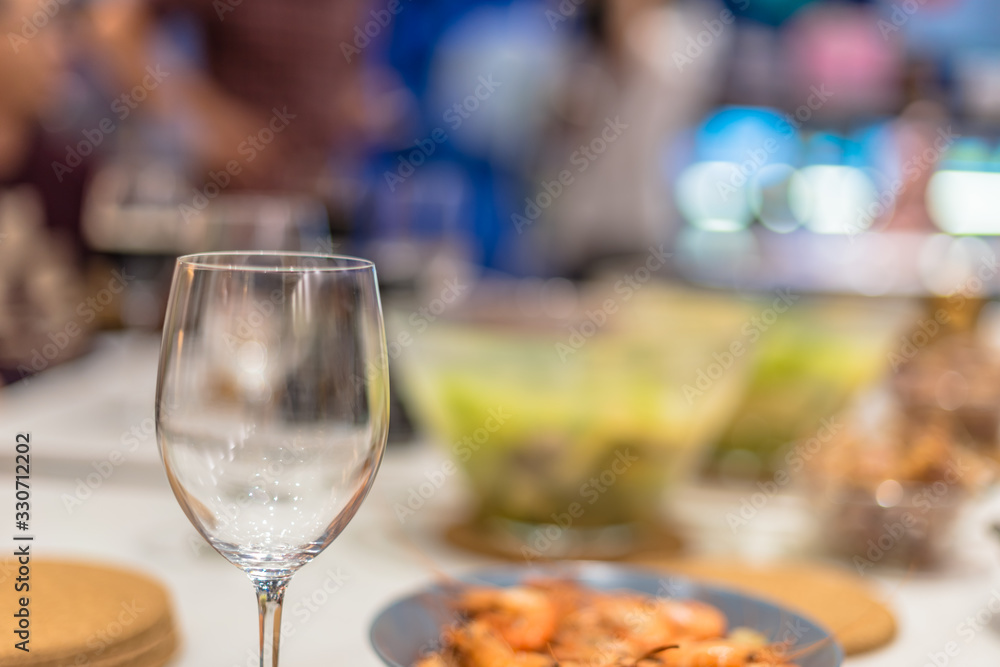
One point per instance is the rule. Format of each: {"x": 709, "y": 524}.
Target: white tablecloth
{"x": 81, "y": 413}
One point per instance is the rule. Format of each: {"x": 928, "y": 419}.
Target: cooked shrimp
{"x": 720, "y": 653}
{"x": 482, "y": 647}
{"x": 525, "y": 618}
{"x": 566, "y": 596}
{"x": 694, "y": 619}
{"x": 638, "y": 623}
{"x": 555, "y": 623}
{"x": 611, "y": 626}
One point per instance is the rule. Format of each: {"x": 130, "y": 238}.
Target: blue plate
{"x": 408, "y": 628}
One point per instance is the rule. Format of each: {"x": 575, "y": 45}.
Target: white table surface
{"x": 79, "y": 413}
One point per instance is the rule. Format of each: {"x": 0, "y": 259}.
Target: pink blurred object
{"x": 841, "y": 48}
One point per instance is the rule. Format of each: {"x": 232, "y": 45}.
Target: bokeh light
{"x": 832, "y": 199}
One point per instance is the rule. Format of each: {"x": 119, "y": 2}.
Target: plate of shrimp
{"x": 593, "y": 615}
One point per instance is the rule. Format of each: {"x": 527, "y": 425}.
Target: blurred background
{"x": 627, "y": 247}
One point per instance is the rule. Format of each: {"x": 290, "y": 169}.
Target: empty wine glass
{"x": 272, "y": 407}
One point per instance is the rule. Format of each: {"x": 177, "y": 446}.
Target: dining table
{"x": 100, "y": 495}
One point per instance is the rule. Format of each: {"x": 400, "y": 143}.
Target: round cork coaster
{"x": 837, "y": 599}
{"x": 82, "y": 614}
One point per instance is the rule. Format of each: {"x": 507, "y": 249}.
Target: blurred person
{"x": 262, "y": 90}
{"x": 31, "y": 72}
{"x": 922, "y": 134}
{"x": 471, "y": 88}
{"x": 41, "y": 250}
{"x": 639, "y": 80}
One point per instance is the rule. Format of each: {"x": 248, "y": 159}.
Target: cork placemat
{"x": 835, "y": 598}
{"x": 87, "y": 614}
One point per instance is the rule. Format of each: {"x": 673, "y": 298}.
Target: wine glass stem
{"x": 270, "y": 594}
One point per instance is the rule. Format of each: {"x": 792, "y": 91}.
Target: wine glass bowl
{"x": 272, "y": 404}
